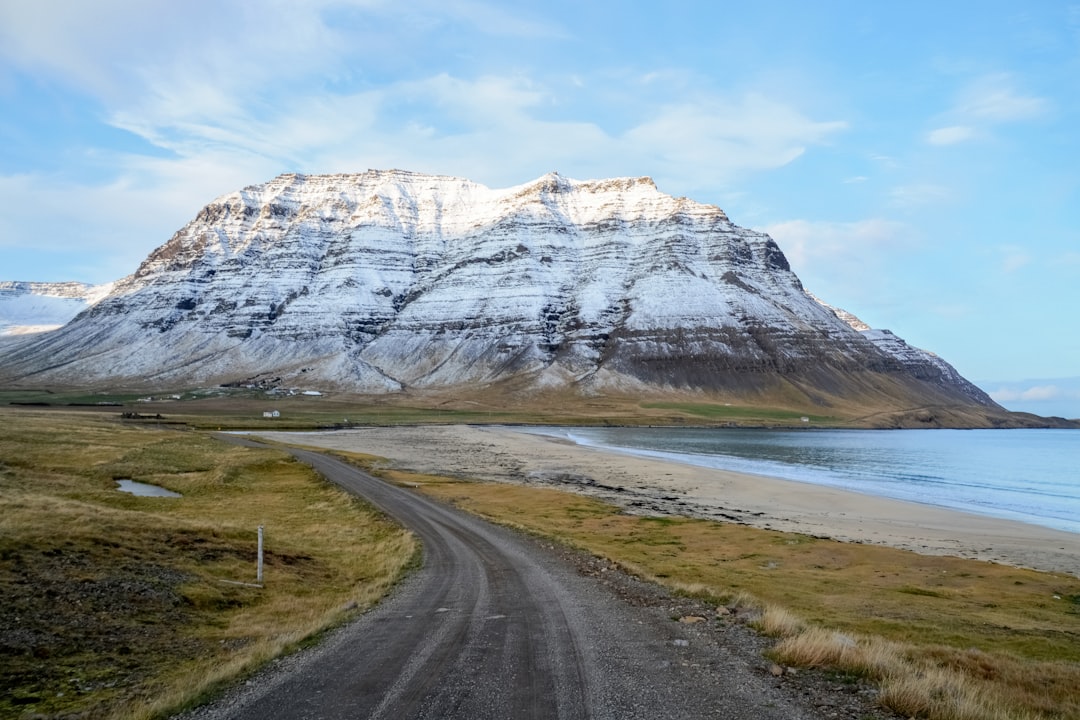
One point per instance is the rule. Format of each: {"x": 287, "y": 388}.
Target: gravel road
{"x": 498, "y": 625}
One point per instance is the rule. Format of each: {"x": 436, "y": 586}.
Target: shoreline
{"x": 653, "y": 486}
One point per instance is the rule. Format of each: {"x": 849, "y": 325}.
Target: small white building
{"x": 271, "y": 413}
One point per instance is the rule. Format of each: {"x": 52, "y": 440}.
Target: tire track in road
{"x": 492, "y": 626}
{"x": 471, "y": 636}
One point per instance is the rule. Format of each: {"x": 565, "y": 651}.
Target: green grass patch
{"x": 738, "y": 413}
{"x": 65, "y": 398}
{"x": 214, "y": 408}
{"x": 125, "y": 606}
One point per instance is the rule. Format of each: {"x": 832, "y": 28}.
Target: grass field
{"x": 947, "y": 638}
{"x": 238, "y": 408}
{"x": 743, "y": 414}
{"x": 123, "y": 606}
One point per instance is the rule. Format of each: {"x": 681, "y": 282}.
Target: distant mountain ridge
{"x": 391, "y": 281}
{"x": 33, "y": 307}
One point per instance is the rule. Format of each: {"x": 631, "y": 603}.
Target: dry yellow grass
{"x": 779, "y": 622}
{"x": 907, "y": 621}
{"x": 862, "y": 656}
{"x": 127, "y": 606}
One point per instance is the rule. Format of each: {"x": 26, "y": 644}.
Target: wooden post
{"x": 258, "y": 574}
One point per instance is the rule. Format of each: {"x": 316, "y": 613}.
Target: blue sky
{"x": 918, "y": 162}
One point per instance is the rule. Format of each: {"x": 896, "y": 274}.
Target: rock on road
{"x": 496, "y": 625}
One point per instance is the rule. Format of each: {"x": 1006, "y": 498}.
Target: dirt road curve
{"x": 497, "y": 626}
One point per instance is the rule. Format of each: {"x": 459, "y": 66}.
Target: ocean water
{"x": 1028, "y": 475}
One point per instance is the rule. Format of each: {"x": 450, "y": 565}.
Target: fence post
{"x": 258, "y": 574}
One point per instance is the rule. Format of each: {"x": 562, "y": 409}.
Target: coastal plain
{"x": 646, "y": 486}
{"x": 748, "y": 549}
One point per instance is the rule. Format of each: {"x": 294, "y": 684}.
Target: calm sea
{"x": 1028, "y": 475}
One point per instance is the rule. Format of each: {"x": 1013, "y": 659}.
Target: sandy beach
{"x": 656, "y": 487}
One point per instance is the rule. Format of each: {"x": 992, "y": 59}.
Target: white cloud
{"x": 1013, "y": 258}
{"x": 715, "y": 138}
{"x": 835, "y": 244}
{"x": 494, "y": 19}
{"x": 1036, "y": 393}
{"x": 109, "y": 47}
{"x": 1058, "y": 396}
{"x": 982, "y": 106}
{"x": 121, "y": 219}
{"x": 848, "y": 264}
{"x": 986, "y": 102}
{"x": 211, "y": 88}
{"x": 497, "y": 130}
{"x": 886, "y": 161}
{"x": 918, "y": 195}
{"x": 182, "y": 77}
{"x": 950, "y": 135}
{"x": 995, "y": 99}
{"x": 952, "y": 311}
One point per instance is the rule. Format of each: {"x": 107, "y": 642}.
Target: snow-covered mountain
{"x": 390, "y": 280}
{"x": 33, "y": 307}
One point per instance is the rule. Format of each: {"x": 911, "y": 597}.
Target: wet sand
{"x": 658, "y": 487}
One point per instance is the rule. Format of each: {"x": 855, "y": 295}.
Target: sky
{"x": 918, "y": 162}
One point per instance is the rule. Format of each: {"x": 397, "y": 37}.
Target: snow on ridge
{"x": 391, "y": 279}
{"x": 35, "y": 307}
{"x": 896, "y": 347}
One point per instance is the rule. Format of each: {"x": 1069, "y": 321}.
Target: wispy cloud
{"x": 727, "y": 135}
{"x": 951, "y": 311}
{"x": 842, "y": 245}
{"x": 996, "y": 99}
{"x": 223, "y": 109}
{"x": 886, "y": 161}
{"x": 847, "y": 263}
{"x": 986, "y": 102}
{"x": 495, "y": 19}
{"x": 918, "y": 195}
{"x": 1058, "y": 396}
{"x": 1036, "y": 393}
{"x": 205, "y": 87}
{"x": 1013, "y": 258}
{"x": 107, "y": 48}
{"x": 950, "y": 135}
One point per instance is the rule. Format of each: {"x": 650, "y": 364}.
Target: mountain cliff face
{"x": 389, "y": 281}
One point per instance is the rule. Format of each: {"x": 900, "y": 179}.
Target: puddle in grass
{"x": 144, "y": 489}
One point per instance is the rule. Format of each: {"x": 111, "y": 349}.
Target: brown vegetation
{"x": 124, "y": 606}
{"x": 945, "y": 638}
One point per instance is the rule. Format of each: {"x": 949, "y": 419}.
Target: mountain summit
{"x": 391, "y": 281}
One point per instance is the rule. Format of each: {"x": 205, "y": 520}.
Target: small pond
{"x": 144, "y": 489}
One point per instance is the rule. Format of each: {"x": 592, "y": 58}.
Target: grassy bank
{"x": 946, "y": 638}
{"x": 125, "y": 606}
